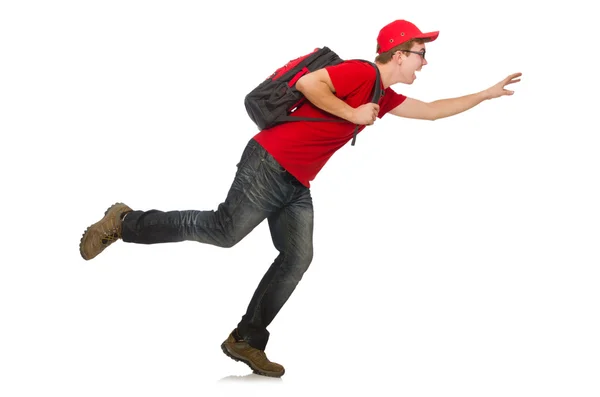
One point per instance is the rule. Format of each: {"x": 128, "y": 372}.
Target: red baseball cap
{"x": 400, "y": 31}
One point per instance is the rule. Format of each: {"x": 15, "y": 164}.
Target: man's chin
{"x": 409, "y": 80}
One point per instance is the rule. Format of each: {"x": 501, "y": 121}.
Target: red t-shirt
{"x": 303, "y": 147}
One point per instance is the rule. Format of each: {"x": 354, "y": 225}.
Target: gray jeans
{"x": 262, "y": 189}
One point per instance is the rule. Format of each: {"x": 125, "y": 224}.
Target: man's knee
{"x": 300, "y": 262}
{"x": 306, "y": 259}
{"x": 230, "y": 240}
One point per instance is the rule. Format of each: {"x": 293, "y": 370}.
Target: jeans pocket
{"x": 247, "y": 153}
{"x": 272, "y": 164}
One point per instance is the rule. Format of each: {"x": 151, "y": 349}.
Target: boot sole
{"x": 248, "y": 363}
{"x": 86, "y": 230}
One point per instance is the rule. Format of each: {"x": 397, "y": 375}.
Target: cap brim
{"x": 431, "y": 36}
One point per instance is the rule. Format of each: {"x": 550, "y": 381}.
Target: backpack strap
{"x": 377, "y": 94}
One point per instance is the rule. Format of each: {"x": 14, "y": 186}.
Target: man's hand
{"x": 365, "y": 114}
{"x": 498, "y": 90}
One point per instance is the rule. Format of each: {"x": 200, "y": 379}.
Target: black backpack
{"x": 274, "y": 100}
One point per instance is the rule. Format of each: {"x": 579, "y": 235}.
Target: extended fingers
{"x": 514, "y": 76}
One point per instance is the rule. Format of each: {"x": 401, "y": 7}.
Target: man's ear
{"x": 399, "y": 58}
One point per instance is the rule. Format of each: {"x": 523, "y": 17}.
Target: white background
{"x": 455, "y": 257}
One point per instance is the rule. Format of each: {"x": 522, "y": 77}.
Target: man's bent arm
{"x": 318, "y": 89}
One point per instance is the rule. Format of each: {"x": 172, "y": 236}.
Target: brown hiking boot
{"x": 256, "y": 359}
{"x": 102, "y": 233}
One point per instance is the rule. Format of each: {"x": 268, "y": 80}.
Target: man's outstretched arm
{"x": 415, "y": 109}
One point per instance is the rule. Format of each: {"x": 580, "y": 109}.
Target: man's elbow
{"x": 432, "y": 112}
{"x": 311, "y": 83}
{"x": 303, "y": 83}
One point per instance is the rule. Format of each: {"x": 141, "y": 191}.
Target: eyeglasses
{"x": 422, "y": 52}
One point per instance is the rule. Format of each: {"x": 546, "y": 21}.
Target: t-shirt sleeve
{"x": 348, "y": 77}
{"x": 390, "y": 100}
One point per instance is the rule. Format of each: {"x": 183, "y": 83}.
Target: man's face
{"x": 412, "y": 62}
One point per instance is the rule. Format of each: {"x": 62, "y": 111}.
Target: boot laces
{"x": 112, "y": 235}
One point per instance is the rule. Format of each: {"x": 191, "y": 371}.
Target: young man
{"x": 273, "y": 178}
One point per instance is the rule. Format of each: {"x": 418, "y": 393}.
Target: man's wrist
{"x": 349, "y": 114}
{"x": 485, "y": 94}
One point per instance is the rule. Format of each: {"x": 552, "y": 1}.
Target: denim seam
{"x": 244, "y": 161}
{"x": 235, "y": 205}
{"x": 285, "y": 252}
